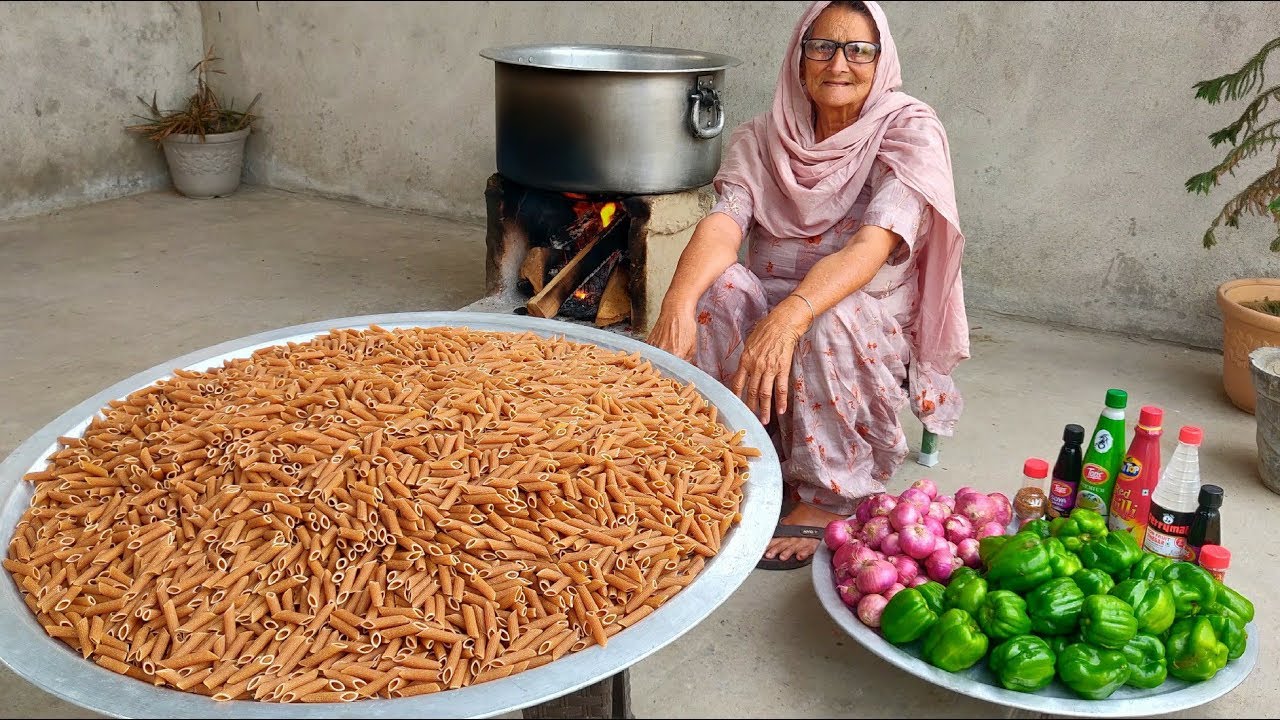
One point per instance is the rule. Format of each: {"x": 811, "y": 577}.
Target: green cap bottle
{"x": 1104, "y": 456}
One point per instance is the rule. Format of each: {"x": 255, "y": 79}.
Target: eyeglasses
{"x": 856, "y": 52}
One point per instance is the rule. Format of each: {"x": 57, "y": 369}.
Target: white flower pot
{"x": 208, "y": 167}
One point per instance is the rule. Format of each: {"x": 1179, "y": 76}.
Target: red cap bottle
{"x": 1216, "y": 559}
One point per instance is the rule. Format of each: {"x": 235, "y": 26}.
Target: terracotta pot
{"x": 1243, "y": 331}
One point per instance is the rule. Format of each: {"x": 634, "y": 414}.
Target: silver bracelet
{"x": 812, "y": 315}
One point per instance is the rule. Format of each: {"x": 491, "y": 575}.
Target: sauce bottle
{"x": 1105, "y": 454}
{"x": 1174, "y": 503}
{"x": 1131, "y": 497}
{"x": 1066, "y": 472}
{"x": 1206, "y": 526}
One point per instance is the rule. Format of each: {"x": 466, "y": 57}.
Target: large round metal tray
{"x": 1056, "y": 699}
{"x": 54, "y": 667}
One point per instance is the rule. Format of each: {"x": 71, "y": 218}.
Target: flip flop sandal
{"x": 804, "y": 531}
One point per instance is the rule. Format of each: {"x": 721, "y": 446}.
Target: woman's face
{"x": 838, "y": 83}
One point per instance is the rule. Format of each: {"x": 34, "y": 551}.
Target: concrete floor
{"x": 92, "y": 295}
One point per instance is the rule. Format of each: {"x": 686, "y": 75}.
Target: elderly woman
{"x": 850, "y": 305}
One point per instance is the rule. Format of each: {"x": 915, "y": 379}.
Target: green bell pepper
{"x": 933, "y": 592}
{"x": 1039, "y": 528}
{"x": 1054, "y": 607}
{"x": 1152, "y": 603}
{"x": 1113, "y": 554}
{"x": 966, "y": 591}
{"x": 1230, "y": 632}
{"x": 906, "y": 617}
{"x": 1092, "y": 673}
{"x": 1192, "y": 587}
{"x": 1020, "y": 565}
{"x": 1024, "y": 663}
{"x": 955, "y": 642}
{"x": 1232, "y": 600}
{"x": 1062, "y": 562}
{"x": 1058, "y": 643}
{"x": 1194, "y": 651}
{"x": 1078, "y": 528}
{"x": 1004, "y": 615}
{"x": 1150, "y": 567}
{"x": 1107, "y": 621}
{"x": 1145, "y": 654}
{"x": 989, "y": 546}
{"x": 1094, "y": 582}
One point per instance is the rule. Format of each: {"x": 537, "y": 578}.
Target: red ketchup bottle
{"x": 1131, "y": 499}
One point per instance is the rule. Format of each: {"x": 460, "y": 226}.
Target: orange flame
{"x": 606, "y": 213}
{"x": 580, "y": 294}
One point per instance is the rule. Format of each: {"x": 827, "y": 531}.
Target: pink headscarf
{"x": 803, "y": 187}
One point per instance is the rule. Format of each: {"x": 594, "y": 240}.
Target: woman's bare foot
{"x": 800, "y": 548}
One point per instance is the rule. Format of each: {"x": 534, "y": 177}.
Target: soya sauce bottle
{"x": 1066, "y": 472}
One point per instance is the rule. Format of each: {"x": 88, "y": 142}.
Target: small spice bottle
{"x": 1215, "y": 559}
{"x": 1031, "y": 501}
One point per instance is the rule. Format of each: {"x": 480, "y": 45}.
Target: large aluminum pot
{"x": 608, "y": 118}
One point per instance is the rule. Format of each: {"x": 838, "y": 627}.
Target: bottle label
{"x": 1102, "y": 441}
{"x": 1130, "y": 501}
{"x": 1167, "y": 532}
{"x": 1062, "y": 497}
{"x": 1092, "y": 487}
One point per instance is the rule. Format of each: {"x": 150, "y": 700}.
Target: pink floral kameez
{"x": 841, "y": 438}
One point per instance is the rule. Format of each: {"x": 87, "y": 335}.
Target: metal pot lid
{"x": 610, "y": 58}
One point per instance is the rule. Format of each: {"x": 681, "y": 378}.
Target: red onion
{"x": 863, "y": 513}
{"x": 916, "y": 497}
{"x": 940, "y": 543}
{"x": 849, "y": 594}
{"x": 967, "y": 550}
{"x": 850, "y": 553}
{"x": 890, "y": 546}
{"x": 934, "y": 526}
{"x": 837, "y": 534}
{"x": 916, "y": 541}
{"x": 927, "y": 486}
{"x": 870, "y": 607}
{"x": 941, "y": 564}
{"x": 893, "y": 590}
{"x": 991, "y": 528}
{"x": 938, "y": 511}
{"x": 876, "y": 576}
{"x": 881, "y": 504}
{"x": 947, "y": 500}
{"x": 958, "y": 528}
{"x": 918, "y": 580}
{"x": 904, "y": 514}
{"x": 875, "y": 530}
{"x": 965, "y": 491}
{"x": 979, "y": 508}
{"x": 1004, "y": 510}
{"x": 908, "y": 569}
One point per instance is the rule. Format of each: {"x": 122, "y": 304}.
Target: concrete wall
{"x": 1072, "y": 124}
{"x": 69, "y": 77}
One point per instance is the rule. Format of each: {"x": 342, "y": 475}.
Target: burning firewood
{"x": 534, "y": 268}
{"x": 615, "y": 304}
{"x": 547, "y": 302}
{"x": 584, "y": 301}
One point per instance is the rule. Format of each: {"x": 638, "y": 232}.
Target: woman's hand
{"x": 765, "y": 368}
{"x": 675, "y": 331}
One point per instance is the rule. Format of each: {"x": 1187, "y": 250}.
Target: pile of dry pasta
{"x": 376, "y": 513}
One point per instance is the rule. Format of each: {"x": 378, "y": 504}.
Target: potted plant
{"x": 1250, "y": 306}
{"x": 204, "y": 141}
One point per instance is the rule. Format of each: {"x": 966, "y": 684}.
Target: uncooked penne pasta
{"x": 376, "y": 513}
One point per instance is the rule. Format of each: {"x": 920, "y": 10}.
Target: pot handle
{"x": 706, "y": 94}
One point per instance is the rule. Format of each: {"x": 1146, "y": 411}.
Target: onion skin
{"x": 904, "y": 514}
{"x": 890, "y": 546}
{"x": 876, "y": 576}
{"x": 1004, "y": 508}
{"x": 917, "y": 541}
{"x": 917, "y": 498}
{"x": 875, "y": 531}
{"x": 837, "y": 533}
{"x": 927, "y": 486}
{"x": 958, "y": 528}
{"x": 870, "y": 607}
{"x": 941, "y": 564}
{"x": 908, "y": 569}
{"x": 967, "y": 550}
